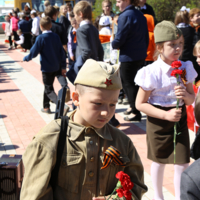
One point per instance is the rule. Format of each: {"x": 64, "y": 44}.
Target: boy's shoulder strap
{"x": 60, "y": 148}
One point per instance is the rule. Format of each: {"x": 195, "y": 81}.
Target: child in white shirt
{"x": 20, "y": 42}
{"x": 35, "y": 26}
{"x": 7, "y": 31}
{"x": 104, "y": 26}
{"x": 157, "y": 97}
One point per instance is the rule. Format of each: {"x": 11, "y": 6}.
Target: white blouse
{"x": 105, "y": 31}
{"x": 21, "y": 39}
{"x": 157, "y": 78}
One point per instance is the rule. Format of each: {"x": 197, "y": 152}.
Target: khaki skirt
{"x": 160, "y": 135}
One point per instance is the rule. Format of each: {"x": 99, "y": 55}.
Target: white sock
{"x": 157, "y": 172}
{"x": 178, "y": 169}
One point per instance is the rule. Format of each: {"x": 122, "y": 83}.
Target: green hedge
{"x": 166, "y": 9}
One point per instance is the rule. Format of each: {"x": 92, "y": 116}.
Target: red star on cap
{"x": 108, "y": 82}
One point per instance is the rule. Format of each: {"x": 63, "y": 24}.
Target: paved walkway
{"x": 21, "y": 94}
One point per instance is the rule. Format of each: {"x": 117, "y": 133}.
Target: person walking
{"x": 14, "y": 26}
{"x": 63, "y": 19}
{"x": 132, "y": 40}
{"x": 52, "y": 57}
{"x": 35, "y": 26}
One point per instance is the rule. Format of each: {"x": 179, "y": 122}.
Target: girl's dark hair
{"x": 135, "y": 2}
{"x": 102, "y": 26}
{"x": 15, "y": 12}
{"x": 182, "y": 17}
{"x": 96, "y": 22}
{"x": 71, "y": 14}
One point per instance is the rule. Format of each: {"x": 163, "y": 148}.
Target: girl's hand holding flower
{"x": 174, "y": 115}
{"x": 180, "y": 92}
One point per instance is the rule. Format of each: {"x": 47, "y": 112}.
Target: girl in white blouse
{"x": 157, "y": 97}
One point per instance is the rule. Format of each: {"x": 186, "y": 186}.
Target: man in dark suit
{"x": 132, "y": 40}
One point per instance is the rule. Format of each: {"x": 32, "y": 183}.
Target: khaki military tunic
{"x": 80, "y": 175}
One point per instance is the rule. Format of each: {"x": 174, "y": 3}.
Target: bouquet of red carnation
{"x": 176, "y": 73}
{"x": 123, "y": 187}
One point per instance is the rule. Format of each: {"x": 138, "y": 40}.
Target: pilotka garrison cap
{"x": 100, "y": 75}
{"x": 166, "y": 31}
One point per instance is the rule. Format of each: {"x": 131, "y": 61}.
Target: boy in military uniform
{"x": 88, "y": 137}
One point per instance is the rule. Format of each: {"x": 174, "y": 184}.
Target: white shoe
{"x": 9, "y": 48}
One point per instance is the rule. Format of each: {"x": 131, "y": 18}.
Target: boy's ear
{"x": 81, "y": 14}
{"x": 41, "y": 28}
{"x": 75, "y": 98}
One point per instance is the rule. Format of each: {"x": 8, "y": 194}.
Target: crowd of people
{"x": 145, "y": 51}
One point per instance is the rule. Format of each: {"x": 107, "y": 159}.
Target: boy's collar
{"x": 143, "y": 7}
{"x": 78, "y": 129}
{"x": 49, "y": 31}
{"x": 84, "y": 22}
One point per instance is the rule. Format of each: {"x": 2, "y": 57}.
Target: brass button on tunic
{"x": 91, "y": 174}
{"x": 92, "y": 159}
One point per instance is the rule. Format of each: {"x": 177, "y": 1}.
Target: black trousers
{"x": 10, "y": 40}
{"x": 121, "y": 94}
{"x": 49, "y": 94}
{"x": 33, "y": 39}
{"x": 128, "y": 71}
{"x": 16, "y": 37}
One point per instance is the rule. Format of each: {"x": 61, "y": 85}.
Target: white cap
{"x": 33, "y": 11}
{"x": 104, "y": 21}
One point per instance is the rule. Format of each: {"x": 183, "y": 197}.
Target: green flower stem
{"x": 175, "y": 125}
{"x": 111, "y": 193}
{"x": 175, "y": 142}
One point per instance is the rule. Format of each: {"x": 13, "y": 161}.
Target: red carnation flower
{"x": 125, "y": 180}
{"x": 127, "y": 195}
{"x": 120, "y": 192}
{"x": 176, "y": 71}
{"x": 123, "y": 187}
{"x": 176, "y": 64}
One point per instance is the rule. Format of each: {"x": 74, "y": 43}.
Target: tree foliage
{"x": 97, "y": 8}
{"x": 166, "y": 9}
